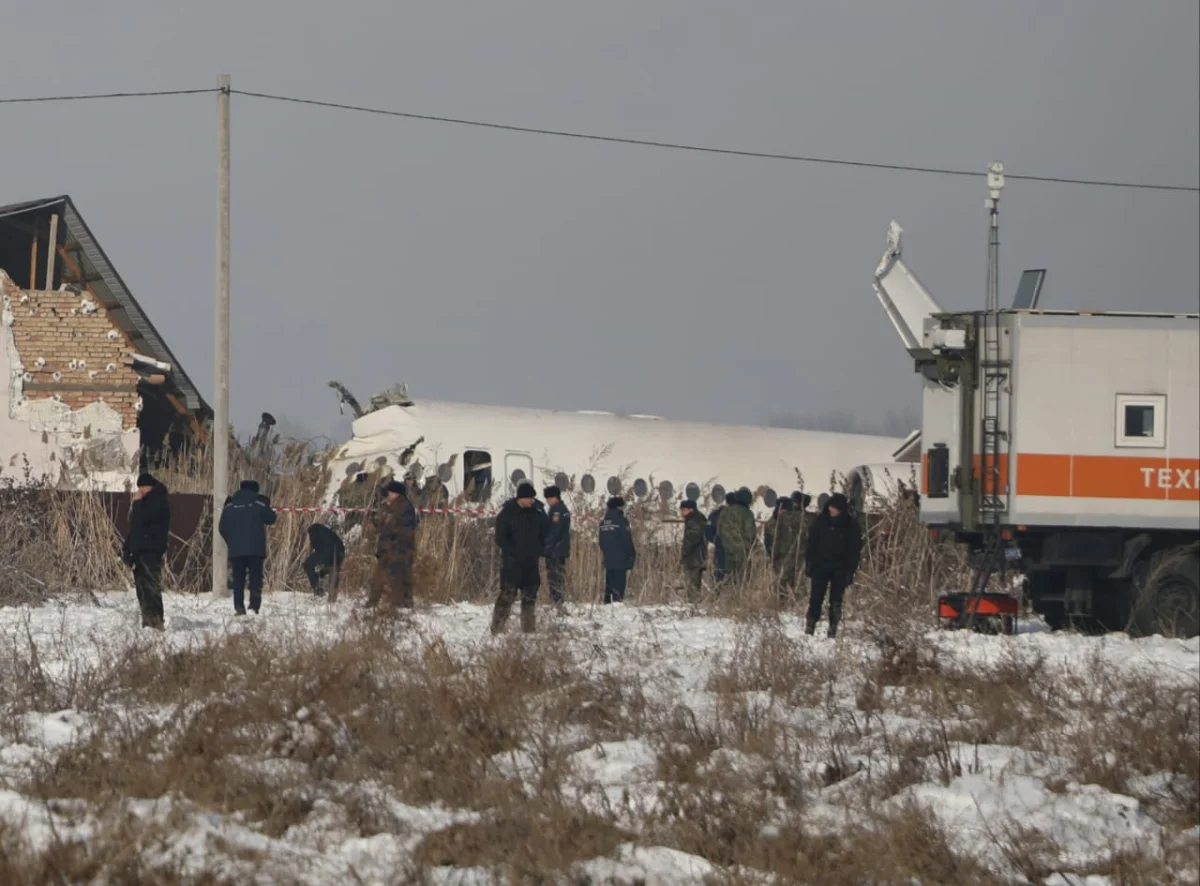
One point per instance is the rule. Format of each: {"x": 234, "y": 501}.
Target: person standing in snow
{"x": 521, "y": 532}
{"x": 146, "y": 545}
{"x": 244, "y": 522}
{"x": 738, "y": 532}
{"x": 714, "y": 538}
{"x": 831, "y": 559}
{"x": 694, "y": 556}
{"x": 558, "y": 544}
{"x": 783, "y": 548}
{"x": 395, "y": 548}
{"x": 616, "y": 546}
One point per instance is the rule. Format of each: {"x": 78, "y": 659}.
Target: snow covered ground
{"x": 731, "y": 748}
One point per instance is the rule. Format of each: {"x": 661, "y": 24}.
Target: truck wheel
{"x": 1168, "y": 594}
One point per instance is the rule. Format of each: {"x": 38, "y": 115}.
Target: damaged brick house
{"x": 93, "y": 392}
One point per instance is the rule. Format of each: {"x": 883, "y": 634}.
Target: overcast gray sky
{"x": 504, "y": 268}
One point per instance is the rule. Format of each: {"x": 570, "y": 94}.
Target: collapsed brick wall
{"x": 77, "y": 340}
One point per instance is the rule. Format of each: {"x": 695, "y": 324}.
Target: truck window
{"x": 1141, "y": 420}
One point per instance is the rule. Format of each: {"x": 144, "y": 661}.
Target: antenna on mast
{"x": 995, "y": 183}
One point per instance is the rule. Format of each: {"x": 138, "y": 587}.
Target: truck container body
{"x": 1092, "y": 472}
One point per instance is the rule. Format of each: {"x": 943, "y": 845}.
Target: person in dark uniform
{"x": 325, "y": 559}
{"x": 244, "y": 522}
{"x": 146, "y": 545}
{"x": 831, "y": 559}
{"x": 616, "y": 546}
{"x": 521, "y": 532}
{"x": 558, "y": 544}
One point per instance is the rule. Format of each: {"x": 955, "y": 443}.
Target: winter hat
{"x": 252, "y": 485}
{"x": 552, "y": 492}
{"x": 146, "y": 480}
{"x": 397, "y": 486}
{"x": 745, "y": 497}
{"x": 687, "y": 505}
{"x": 730, "y": 498}
{"x": 526, "y": 490}
{"x": 616, "y": 502}
{"x": 786, "y": 504}
{"x": 837, "y": 500}
{"x": 801, "y": 500}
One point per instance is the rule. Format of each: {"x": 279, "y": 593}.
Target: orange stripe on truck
{"x": 1094, "y": 476}
{"x": 1108, "y": 476}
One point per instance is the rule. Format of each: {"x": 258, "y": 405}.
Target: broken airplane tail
{"x": 907, "y": 302}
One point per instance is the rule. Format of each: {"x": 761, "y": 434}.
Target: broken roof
{"x": 107, "y": 286}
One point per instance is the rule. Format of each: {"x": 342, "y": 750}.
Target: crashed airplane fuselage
{"x": 478, "y": 454}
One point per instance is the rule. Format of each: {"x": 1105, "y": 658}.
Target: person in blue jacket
{"x": 616, "y": 546}
{"x": 558, "y": 544}
{"x": 244, "y": 522}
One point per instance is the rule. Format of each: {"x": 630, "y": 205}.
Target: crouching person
{"x": 521, "y": 533}
{"x": 146, "y": 544}
{"x": 325, "y": 559}
{"x": 395, "y": 548}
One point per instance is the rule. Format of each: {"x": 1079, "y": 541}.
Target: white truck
{"x": 1071, "y": 436}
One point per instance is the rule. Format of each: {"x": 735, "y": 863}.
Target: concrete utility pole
{"x": 220, "y": 430}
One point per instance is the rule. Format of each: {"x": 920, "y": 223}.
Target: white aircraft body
{"x": 480, "y": 454}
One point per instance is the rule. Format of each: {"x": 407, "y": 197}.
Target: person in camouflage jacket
{"x": 738, "y": 532}
{"x": 782, "y": 540}
{"x": 694, "y": 556}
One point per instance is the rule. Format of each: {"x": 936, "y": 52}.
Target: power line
{"x": 612, "y": 139}
{"x": 731, "y": 152}
{"x": 102, "y": 95}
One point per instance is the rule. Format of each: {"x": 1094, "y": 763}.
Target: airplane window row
{"x": 477, "y": 482}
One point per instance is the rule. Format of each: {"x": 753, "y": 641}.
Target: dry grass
{"x": 268, "y": 732}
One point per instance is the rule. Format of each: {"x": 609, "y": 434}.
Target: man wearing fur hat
{"x": 521, "y": 532}
{"x": 831, "y": 559}
{"x": 146, "y": 544}
{"x": 395, "y": 548}
{"x": 616, "y": 546}
{"x": 558, "y": 544}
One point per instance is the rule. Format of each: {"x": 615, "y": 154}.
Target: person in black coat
{"x": 244, "y": 522}
{"x": 831, "y": 559}
{"x": 558, "y": 544}
{"x": 326, "y": 557}
{"x": 521, "y": 532}
{"x": 146, "y": 544}
{"x": 616, "y": 546}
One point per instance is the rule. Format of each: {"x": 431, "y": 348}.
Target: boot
{"x": 528, "y": 617}
{"x": 500, "y": 616}
{"x": 810, "y": 626}
{"x": 835, "y": 616}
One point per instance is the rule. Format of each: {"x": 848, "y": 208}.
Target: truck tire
{"x": 1167, "y": 586}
